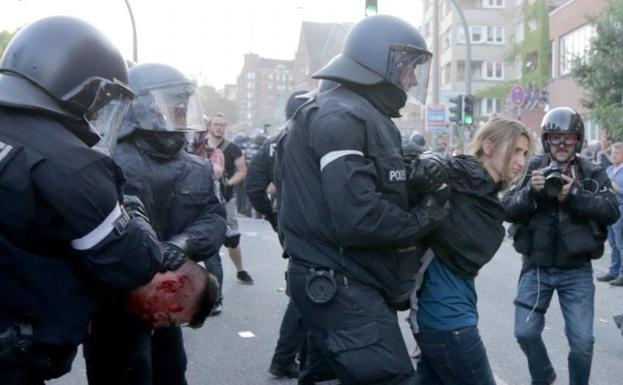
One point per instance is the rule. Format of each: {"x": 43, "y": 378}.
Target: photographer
{"x": 559, "y": 213}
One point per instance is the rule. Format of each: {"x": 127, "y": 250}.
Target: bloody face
{"x": 165, "y": 301}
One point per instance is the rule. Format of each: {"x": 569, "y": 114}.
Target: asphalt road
{"x": 218, "y": 355}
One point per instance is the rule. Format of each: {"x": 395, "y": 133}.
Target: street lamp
{"x": 134, "y": 38}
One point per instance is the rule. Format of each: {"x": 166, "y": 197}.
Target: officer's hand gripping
{"x": 135, "y": 207}
{"x": 172, "y": 257}
{"x": 427, "y": 174}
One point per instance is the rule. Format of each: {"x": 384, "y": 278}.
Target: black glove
{"x": 135, "y": 207}
{"x": 172, "y": 257}
{"x": 272, "y": 219}
{"x": 429, "y": 213}
{"x": 427, "y": 174}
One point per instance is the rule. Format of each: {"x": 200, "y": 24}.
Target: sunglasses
{"x": 557, "y": 140}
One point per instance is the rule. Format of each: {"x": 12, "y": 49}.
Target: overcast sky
{"x": 205, "y": 39}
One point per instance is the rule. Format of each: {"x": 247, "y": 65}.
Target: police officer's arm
{"x": 120, "y": 252}
{"x": 521, "y": 202}
{"x": 206, "y": 234}
{"x": 360, "y": 215}
{"x": 258, "y": 179}
{"x": 600, "y": 206}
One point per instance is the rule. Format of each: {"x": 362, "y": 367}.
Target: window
{"x": 270, "y": 76}
{"x": 574, "y": 46}
{"x": 476, "y": 32}
{"x": 493, "y": 70}
{"x": 495, "y": 34}
{"x": 492, "y": 3}
{"x": 490, "y": 106}
{"x": 250, "y": 75}
{"x": 445, "y": 74}
{"x": 445, "y": 40}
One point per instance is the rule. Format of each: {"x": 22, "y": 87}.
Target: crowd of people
{"x": 116, "y": 195}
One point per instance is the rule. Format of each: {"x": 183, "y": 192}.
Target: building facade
{"x": 263, "y": 88}
{"x": 570, "y": 34}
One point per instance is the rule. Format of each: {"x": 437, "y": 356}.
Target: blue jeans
{"x": 576, "y": 294}
{"x": 453, "y": 357}
{"x": 615, "y": 240}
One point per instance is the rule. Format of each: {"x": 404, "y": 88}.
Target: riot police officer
{"x": 344, "y": 210}
{"x": 259, "y": 180}
{"x": 177, "y": 189}
{"x": 65, "y": 238}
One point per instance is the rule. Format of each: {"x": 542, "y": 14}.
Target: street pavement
{"x": 219, "y": 355}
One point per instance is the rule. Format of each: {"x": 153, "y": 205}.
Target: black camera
{"x": 553, "y": 180}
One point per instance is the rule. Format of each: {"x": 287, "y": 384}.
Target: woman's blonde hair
{"x": 500, "y": 131}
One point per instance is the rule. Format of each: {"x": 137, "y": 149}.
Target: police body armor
{"x": 391, "y": 270}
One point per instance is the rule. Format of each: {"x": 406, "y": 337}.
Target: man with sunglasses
{"x": 559, "y": 213}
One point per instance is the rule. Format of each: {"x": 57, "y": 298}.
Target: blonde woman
{"x": 447, "y": 317}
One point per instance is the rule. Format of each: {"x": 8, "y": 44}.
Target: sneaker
{"x": 606, "y": 277}
{"x": 290, "y": 371}
{"x": 217, "y": 309}
{"x": 618, "y": 281}
{"x": 618, "y": 321}
{"x": 244, "y": 277}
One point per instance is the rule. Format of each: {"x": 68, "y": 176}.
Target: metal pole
{"x": 134, "y": 38}
{"x": 436, "y": 51}
{"x": 468, "y": 49}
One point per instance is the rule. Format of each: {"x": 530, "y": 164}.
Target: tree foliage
{"x": 5, "y": 37}
{"x": 213, "y": 102}
{"x": 600, "y": 73}
{"x": 534, "y": 45}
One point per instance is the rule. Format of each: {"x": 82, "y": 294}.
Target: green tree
{"x": 213, "y": 102}
{"x": 5, "y": 37}
{"x": 533, "y": 52}
{"x": 600, "y": 73}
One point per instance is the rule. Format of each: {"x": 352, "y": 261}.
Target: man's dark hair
{"x": 207, "y": 299}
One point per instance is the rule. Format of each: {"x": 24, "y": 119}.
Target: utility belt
{"x": 321, "y": 283}
{"x": 18, "y": 352}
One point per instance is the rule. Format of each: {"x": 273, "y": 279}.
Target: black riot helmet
{"x": 382, "y": 48}
{"x": 66, "y": 67}
{"x": 562, "y": 120}
{"x": 417, "y": 139}
{"x": 165, "y": 109}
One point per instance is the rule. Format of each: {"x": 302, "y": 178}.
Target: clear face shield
{"x": 409, "y": 69}
{"x": 105, "y": 111}
{"x": 175, "y": 108}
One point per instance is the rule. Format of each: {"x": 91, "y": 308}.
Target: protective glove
{"x": 272, "y": 219}
{"x": 172, "y": 257}
{"x": 135, "y": 207}
{"x": 427, "y": 174}
{"x": 429, "y": 213}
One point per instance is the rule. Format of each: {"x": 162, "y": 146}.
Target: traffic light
{"x": 468, "y": 109}
{"x": 456, "y": 109}
{"x": 371, "y": 7}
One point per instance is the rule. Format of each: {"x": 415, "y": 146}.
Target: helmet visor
{"x": 106, "y": 112}
{"x": 173, "y": 108}
{"x": 409, "y": 69}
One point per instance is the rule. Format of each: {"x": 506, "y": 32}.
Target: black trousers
{"x": 13, "y": 376}
{"x": 292, "y": 335}
{"x": 120, "y": 349}
{"x": 354, "y": 337}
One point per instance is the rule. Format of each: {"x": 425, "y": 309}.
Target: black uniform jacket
{"x": 260, "y": 175}
{"x": 343, "y": 199}
{"x": 63, "y": 235}
{"x": 179, "y": 196}
{"x": 567, "y": 234}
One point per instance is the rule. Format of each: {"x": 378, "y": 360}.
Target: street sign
{"x": 436, "y": 118}
{"x": 518, "y": 95}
